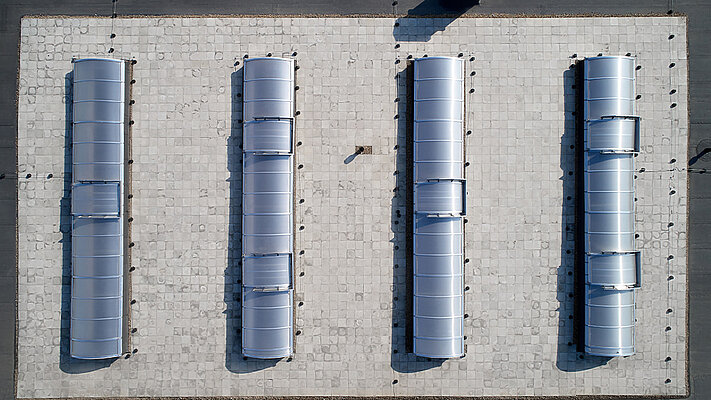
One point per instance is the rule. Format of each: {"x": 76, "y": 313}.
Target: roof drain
{"x": 267, "y": 204}
{"x": 612, "y": 265}
{"x": 439, "y": 196}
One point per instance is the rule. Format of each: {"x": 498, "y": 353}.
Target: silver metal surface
{"x": 609, "y": 321}
{"x": 612, "y": 270}
{"x": 267, "y": 323}
{"x": 268, "y": 88}
{"x": 609, "y": 87}
{"x": 96, "y": 199}
{"x": 267, "y": 204}
{"x": 98, "y": 114}
{"x": 612, "y": 265}
{"x": 440, "y": 197}
{"x": 618, "y": 134}
{"x": 268, "y": 136}
{"x": 439, "y": 194}
{"x": 97, "y": 216}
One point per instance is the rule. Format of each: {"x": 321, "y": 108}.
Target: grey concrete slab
{"x": 518, "y": 305}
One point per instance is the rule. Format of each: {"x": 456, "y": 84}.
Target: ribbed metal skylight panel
{"x": 97, "y": 215}
{"x": 439, "y": 192}
{"x": 612, "y": 265}
{"x": 267, "y": 203}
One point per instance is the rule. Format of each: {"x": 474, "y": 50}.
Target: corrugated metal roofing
{"x": 612, "y": 265}
{"x": 97, "y": 216}
{"x": 439, "y": 193}
{"x": 267, "y": 204}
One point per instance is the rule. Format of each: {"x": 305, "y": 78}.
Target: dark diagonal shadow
{"x": 401, "y": 357}
{"x": 703, "y": 152}
{"x": 441, "y": 13}
{"x": 353, "y": 156}
{"x": 571, "y": 271}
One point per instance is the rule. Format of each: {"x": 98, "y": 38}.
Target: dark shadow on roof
{"x": 570, "y": 355}
{"x": 402, "y": 358}
{"x": 440, "y": 13}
